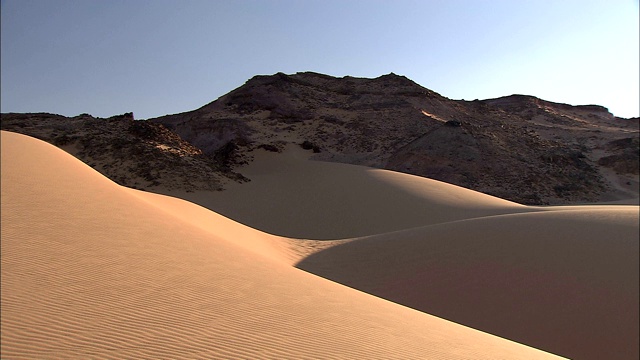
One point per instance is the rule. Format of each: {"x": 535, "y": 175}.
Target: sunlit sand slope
{"x": 291, "y": 196}
{"x": 92, "y": 270}
{"x": 565, "y": 281}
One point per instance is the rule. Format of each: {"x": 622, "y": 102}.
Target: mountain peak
{"x": 508, "y": 147}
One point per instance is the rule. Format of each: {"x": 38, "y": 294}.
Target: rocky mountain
{"x": 516, "y": 147}
{"x": 137, "y": 154}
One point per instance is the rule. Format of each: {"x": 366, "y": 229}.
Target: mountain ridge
{"x": 517, "y": 147}
{"x": 504, "y": 146}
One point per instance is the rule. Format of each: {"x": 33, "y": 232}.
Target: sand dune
{"x": 562, "y": 281}
{"x": 94, "y": 270}
{"x": 291, "y": 196}
{"x": 560, "y": 278}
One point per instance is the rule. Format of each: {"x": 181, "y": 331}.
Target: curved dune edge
{"x": 323, "y": 200}
{"x": 290, "y": 195}
{"x": 89, "y": 269}
{"x": 563, "y": 280}
{"x": 560, "y": 313}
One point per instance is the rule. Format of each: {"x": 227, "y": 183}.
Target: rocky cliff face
{"x": 517, "y": 147}
{"x": 137, "y": 154}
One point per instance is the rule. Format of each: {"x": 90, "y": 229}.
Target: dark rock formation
{"x": 137, "y": 154}
{"x": 625, "y": 157}
{"x": 453, "y": 123}
{"x": 308, "y": 145}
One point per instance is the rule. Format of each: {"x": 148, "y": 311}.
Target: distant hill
{"x": 517, "y": 147}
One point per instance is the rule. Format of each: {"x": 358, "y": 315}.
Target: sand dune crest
{"x": 292, "y": 196}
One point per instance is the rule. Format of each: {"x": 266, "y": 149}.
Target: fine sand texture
{"x": 91, "y": 269}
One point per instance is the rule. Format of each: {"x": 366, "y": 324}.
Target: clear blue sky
{"x": 156, "y": 57}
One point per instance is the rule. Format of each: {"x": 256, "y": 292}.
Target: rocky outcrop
{"x": 137, "y": 154}
{"x": 625, "y": 156}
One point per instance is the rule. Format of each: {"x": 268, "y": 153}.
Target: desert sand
{"x": 325, "y": 200}
{"x": 560, "y": 278}
{"x": 91, "y": 269}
